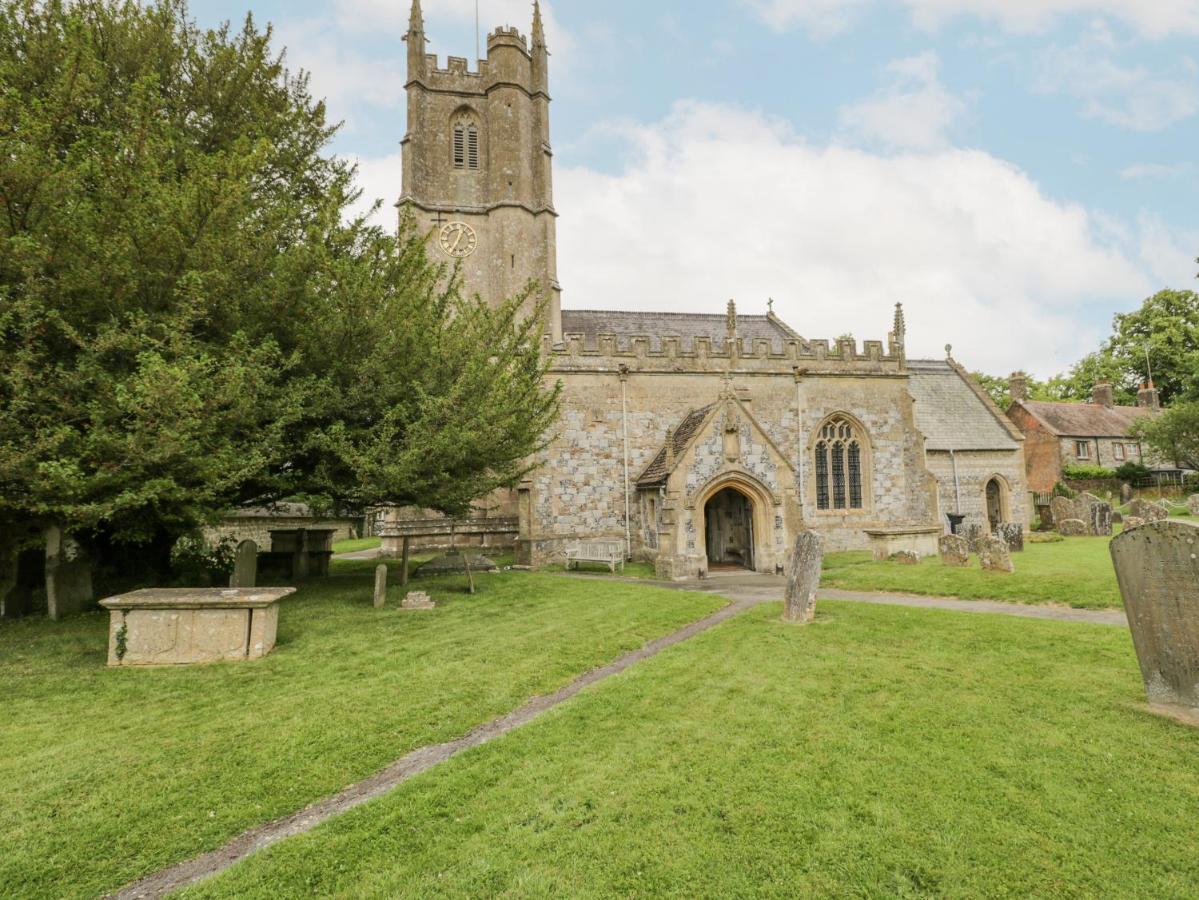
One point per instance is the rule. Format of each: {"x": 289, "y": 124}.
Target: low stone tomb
{"x": 906, "y": 558}
{"x": 297, "y": 553}
{"x": 185, "y": 626}
{"x": 454, "y": 563}
{"x": 1073, "y": 528}
{"x": 1013, "y": 534}
{"x": 1131, "y": 522}
{"x": 994, "y": 556}
{"x": 803, "y": 578}
{"x": 1149, "y": 511}
{"x": 1158, "y": 569}
{"x": 418, "y": 600}
{"x": 955, "y": 551}
{"x": 1193, "y": 504}
{"x": 886, "y": 542}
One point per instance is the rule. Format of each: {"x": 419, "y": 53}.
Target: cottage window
{"x": 1119, "y": 451}
{"x": 839, "y": 468}
{"x": 1082, "y": 449}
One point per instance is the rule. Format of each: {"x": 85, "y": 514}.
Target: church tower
{"x": 477, "y": 167}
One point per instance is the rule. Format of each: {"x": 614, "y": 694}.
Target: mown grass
{"x": 1076, "y": 572}
{"x": 882, "y": 752}
{"x": 358, "y": 545}
{"x": 107, "y": 775}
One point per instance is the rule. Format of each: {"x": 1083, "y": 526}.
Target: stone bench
{"x": 175, "y": 627}
{"x": 610, "y": 553}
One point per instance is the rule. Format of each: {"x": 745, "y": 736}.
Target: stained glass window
{"x": 855, "y": 475}
{"x": 838, "y": 455}
{"x": 839, "y": 461}
{"x": 822, "y": 475}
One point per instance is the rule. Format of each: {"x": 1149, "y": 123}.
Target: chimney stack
{"x": 1018, "y": 387}
{"x": 1148, "y": 397}
{"x": 1103, "y": 395}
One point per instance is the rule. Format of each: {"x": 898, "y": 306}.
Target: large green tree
{"x": 1174, "y": 435}
{"x": 187, "y": 319}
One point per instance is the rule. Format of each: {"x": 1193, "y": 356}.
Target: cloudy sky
{"x": 1013, "y": 171}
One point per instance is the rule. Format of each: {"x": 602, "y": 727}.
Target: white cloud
{"x": 342, "y": 77}
{"x": 715, "y": 202}
{"x": 1143, "y": 171}
{"x": 380, "y": 179}
{"x": 1152, "y": 18}
{"x": 913, "y": 110}
{"x": 1132, "y": 97}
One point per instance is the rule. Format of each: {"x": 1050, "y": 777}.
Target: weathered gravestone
{"x": 973, "y": 535}
{"x": 994, "y": 556}
{"x": 906, "y": 558}
{"x": 1150, "y": 512}
{"x": 68, "y": 575}
{"x": 1012, "y": 534}
{"x": 1131, "y": 522}
{"x": 1193, "y": 504}
{"x": 1125, "y": 494}
{"x": 418, "y": 600}
{"x": 1158, "y": 569}
{"x": 803, "y": 578}
{"x": 1062, "y": 509}
{"x": 245, "y": 566}
{"x": 1099, "y": 520}
{"x": 1073, "y": 528}
{"x": 380, "y": 587}
{"x": 954, "y": 550}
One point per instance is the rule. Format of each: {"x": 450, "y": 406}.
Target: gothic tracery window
{"x": 839, "y": 466}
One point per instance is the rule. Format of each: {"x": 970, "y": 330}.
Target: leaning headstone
{"x": 954, "y": 550}
{"x": 1012, "y": 534}
{"x": 1150, "y": 512}
{"x": 803, "y": 578}
{"x": 994, "y": 556}
{"x": 1158, "y": 569}
{"x": 380, "y": 587}
{"x": 906, "y": 558}
{"x": 245, "y": 566}
{"x": 1099, "y": 521}
{"x": 1193, "y": 504}
{"x": 1131, "y": 522}
{"x": 1125, "y": 494}
{"x": 1073, "y": 528}
{"x": 973, "y": 535}
{"x": 68, "y": 575}
{"x": 418, "y": 600}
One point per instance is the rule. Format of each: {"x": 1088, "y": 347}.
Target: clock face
{"x": 458, "y": 240}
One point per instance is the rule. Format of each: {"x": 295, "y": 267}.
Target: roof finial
{"x": 769, "y": 305}
{"x": 416, "y": 21}
{"x": 901, "y": 327}
{"x": 538, "y": 26}
{"x": 949, "y": 351}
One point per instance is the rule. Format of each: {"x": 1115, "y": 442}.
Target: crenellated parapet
{"x": 704, "y": 355}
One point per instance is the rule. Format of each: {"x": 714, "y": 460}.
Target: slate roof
{"x": 954, "y": 413}
{"x": 1085, "y": 419}
{"x": 591, "y": 323}
{"x": 656, "y": 473}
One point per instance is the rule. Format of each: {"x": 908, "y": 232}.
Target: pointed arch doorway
{"x": 729, "y": 530}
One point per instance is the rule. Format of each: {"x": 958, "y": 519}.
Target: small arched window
{"x": 466, "y": 146}
{"x": 839, "y": 466}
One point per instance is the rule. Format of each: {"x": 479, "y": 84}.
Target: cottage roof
{"x": 657, "y": 471}
{"x": 954, "y": 413}
{"x": 591, "y": 323}
{"x": 1085, "y": 419}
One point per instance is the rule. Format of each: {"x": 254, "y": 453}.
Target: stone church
{"x": 700, "y": 441}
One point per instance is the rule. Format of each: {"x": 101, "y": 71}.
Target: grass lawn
{"x": 631, "y": 569}
{"x": 883, "y": 752}
{"x": 1076, "y": 572}
{"x": 108, "y": 775}
{"x": 358, "y": 545}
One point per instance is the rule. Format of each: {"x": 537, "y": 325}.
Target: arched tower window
{"x": 839, "y": 466}
{"x": 466, "y": 145}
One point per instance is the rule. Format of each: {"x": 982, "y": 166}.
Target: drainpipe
{"x": 800, "y": 452}
{"x": 957, "y": 485}
{"x": 624, "y": 424}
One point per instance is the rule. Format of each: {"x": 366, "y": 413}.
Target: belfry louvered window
{"x": 466, "y": 146}
{"x": 839, "y": 467}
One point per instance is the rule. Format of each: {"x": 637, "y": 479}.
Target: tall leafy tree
{"x": 1174, "y": 435}
{"x": 187, "y": 319}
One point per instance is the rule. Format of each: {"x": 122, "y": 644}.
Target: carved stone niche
{"x": 732, "y": 439}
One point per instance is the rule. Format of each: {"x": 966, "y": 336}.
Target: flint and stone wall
{"x": 975, "y": 468}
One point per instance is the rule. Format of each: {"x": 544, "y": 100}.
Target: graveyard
{"x": 877, "y": 751}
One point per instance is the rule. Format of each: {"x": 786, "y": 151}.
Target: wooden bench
{"x": 610, "y": 553}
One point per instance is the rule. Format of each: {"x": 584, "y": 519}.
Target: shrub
{"x": 197, "y": 564}
{"x": 1134, "y": 473}
{"x": 1062, "y": 490}
{"x": 1087, "y": 473}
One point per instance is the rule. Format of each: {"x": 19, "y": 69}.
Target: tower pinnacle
{"x": 416, "y": 21}
{"x": 901, "y": 328}
{"x": 538, "y": 26}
